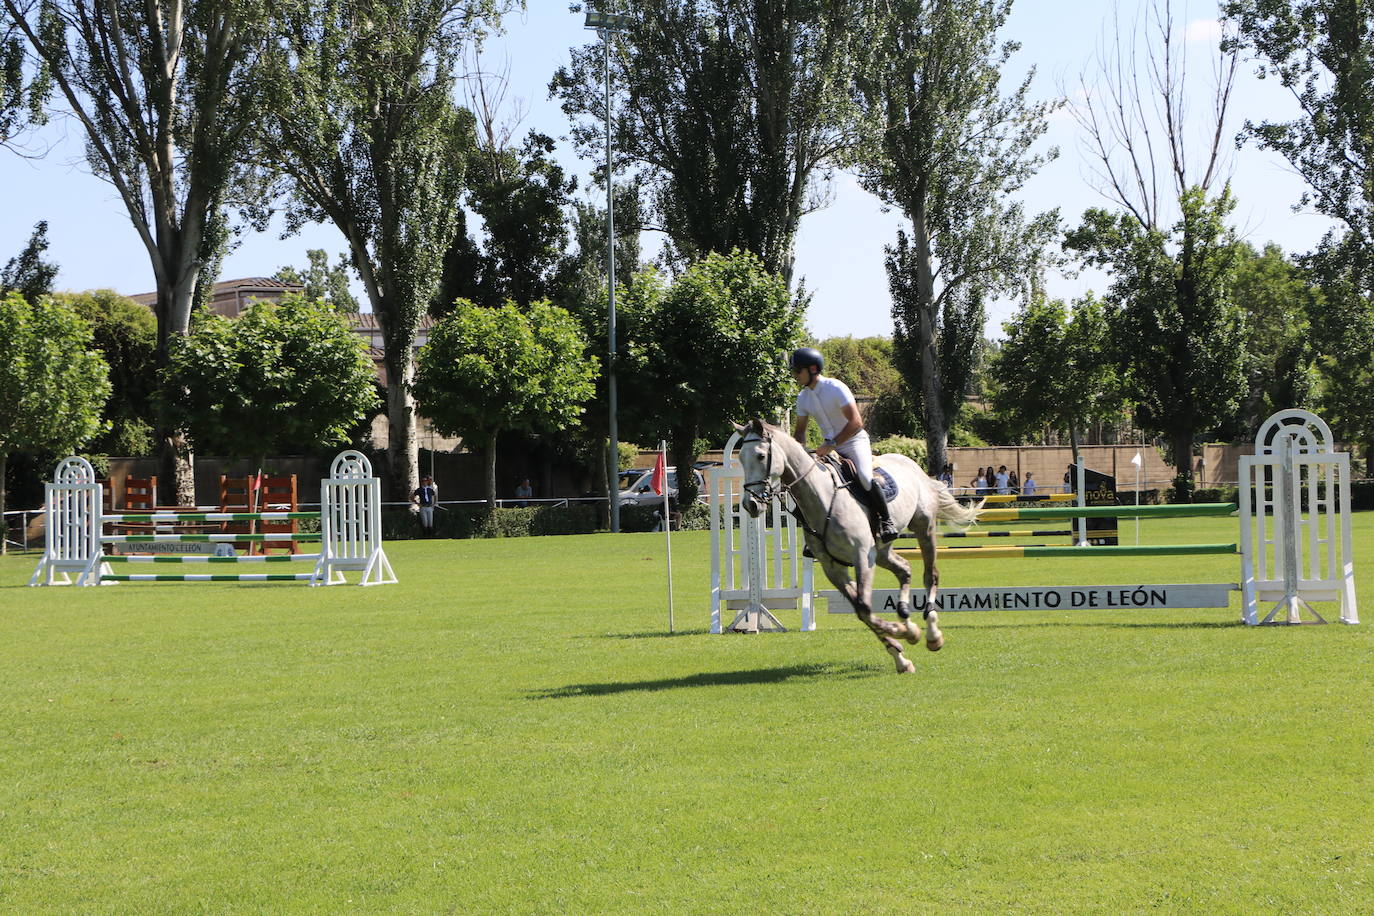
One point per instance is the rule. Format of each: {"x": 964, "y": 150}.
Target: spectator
{"x": 1014, "y": 482}
{"x": 946, "y": 476}
{"x": 1003, "y": 480}
{"x": 425, "y": 497}
{"x": 524, "y": 493}
{"x": 979, "y": 484}
{"x": 1028, "y": 488}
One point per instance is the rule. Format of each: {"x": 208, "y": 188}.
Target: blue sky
{"x": 840, "y": 248}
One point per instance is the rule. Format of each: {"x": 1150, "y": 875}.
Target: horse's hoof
{"x": 935, "y": 645}
{"x": 906, "y": 668}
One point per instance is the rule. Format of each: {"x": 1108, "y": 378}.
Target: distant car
{"x": 641, "y": 491}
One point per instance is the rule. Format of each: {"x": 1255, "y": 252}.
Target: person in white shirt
{"x": 1003, "y": 480}
{"x": 832, "y": 404}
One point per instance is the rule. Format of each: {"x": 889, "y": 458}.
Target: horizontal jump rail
{"x": 206, "y": 577}
{"x": 276, "y": 558}
{"x": 1122, "y": 550}
{"x": 208, "y": 517}
{"x": 1172, "y": 510}
{"x": 1023, "y": 533}
{"x": 1033, "y": 498}
{"x": 207, "y": 538}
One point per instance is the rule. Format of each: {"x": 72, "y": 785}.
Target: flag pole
{"x": 668, "y": 524}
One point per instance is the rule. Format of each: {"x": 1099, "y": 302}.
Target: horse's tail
{"x": 955, "y": 512}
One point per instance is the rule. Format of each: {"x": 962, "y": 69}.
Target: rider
{"x": 831, "y": 402}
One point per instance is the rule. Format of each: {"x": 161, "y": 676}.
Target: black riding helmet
{"x": 805, "y": 358}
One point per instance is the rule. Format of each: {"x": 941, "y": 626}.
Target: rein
{"x": 766, "y": 492}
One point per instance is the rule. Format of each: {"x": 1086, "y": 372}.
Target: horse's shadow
{"x": 707, "y": 679}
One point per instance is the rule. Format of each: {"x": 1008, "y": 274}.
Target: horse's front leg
{"x": 890, "y": 560}
{"x": 887, "y": 632}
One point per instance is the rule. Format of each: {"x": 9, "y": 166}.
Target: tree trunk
{"x": 177, "y": 481}
{"x": 402, "y": 445}
{"x": 173, "y": 310}
{"x": 1183, "y": 464}
{"x": 489, "y": 454}
{"x": 682, "y": 450}
{"x": 932, "y": 385}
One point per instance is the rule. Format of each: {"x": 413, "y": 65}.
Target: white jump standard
{"x": 350, "y": 535}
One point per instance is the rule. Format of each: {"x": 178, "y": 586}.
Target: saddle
{"x": 849, "y": 478}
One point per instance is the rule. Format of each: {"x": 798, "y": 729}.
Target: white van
{"x": 641, "y": 492}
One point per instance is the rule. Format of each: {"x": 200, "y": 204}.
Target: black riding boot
{"x": 885, "y": 530}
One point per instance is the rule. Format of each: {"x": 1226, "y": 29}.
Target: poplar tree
{"x": 729, "y": 113}
{"x": 364, "y": 128}
{"x": 165, "y": 94}
{"x": 937, "y": 139}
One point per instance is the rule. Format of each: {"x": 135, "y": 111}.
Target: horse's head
{"x": 762, "y": 463}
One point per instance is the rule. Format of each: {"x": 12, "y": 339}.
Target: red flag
{"x": 660, "y": 478}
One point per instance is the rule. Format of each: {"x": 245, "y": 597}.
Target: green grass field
{"x": 512, "y": 730}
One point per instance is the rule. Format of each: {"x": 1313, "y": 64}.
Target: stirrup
{"x": 887, "y": 532}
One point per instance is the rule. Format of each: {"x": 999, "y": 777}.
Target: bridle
{"x": 763, "y": 490}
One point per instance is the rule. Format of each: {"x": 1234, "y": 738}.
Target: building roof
{"x": 239, "y": 286}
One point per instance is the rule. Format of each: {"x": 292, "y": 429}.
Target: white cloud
{"x": 1208, "y": 30}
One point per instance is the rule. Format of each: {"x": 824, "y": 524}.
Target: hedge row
{"x": 482, "y": 522}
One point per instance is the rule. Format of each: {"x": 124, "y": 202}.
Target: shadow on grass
{"x": 649, "y": 634}
{"x": 710, "y": 679}
{"x": 1111, "y": 625}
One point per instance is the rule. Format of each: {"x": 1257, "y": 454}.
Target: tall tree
{"x": 489, "y": 370}
{"x": 1057, "y": 368}
{"x": 21, "y": 104}
{"x": 1278, "y": 299}
{"x": 521, "y": 195}
{"x": 1178, "y": 332}
{"x": 27, "y": 273}
{"x": 709, "y": 349}
{"x": 52, "y": 384}
{"x": 1169, "y": 247}
{"x": 283, "y": 376}
{"x": 728, "y": 110}
{"x": 125, "y": 333}
{"x": 364, "y": 126}
{"x": 938, "y": 140}
{"x": 1322, "y": 52}
{"x": 321, "y": 281}
{"x": 165, "y": 93}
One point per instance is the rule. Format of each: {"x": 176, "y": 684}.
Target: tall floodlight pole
{"x": 605, "y": 24}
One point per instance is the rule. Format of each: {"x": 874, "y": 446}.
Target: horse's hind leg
{"x": 925, "y": 535}
{"x": 896, "y": 564}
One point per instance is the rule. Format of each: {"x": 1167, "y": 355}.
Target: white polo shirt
{"x": 826, "y": 403}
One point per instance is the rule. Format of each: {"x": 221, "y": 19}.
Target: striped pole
{"x": 1185, "y": 510}
{"x": 1120, "y": 550}
{"x": 275, "y": 558}
{"x": 151, "y": 517}
{"x": 207, "y": 577}
{"x": 205, "y": 538}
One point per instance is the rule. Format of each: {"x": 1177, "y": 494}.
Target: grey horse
{"x": 838, "y": 531}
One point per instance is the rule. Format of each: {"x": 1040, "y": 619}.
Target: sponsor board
{"x": 1053, "y": 597}
{"x": 168, "y": 547}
